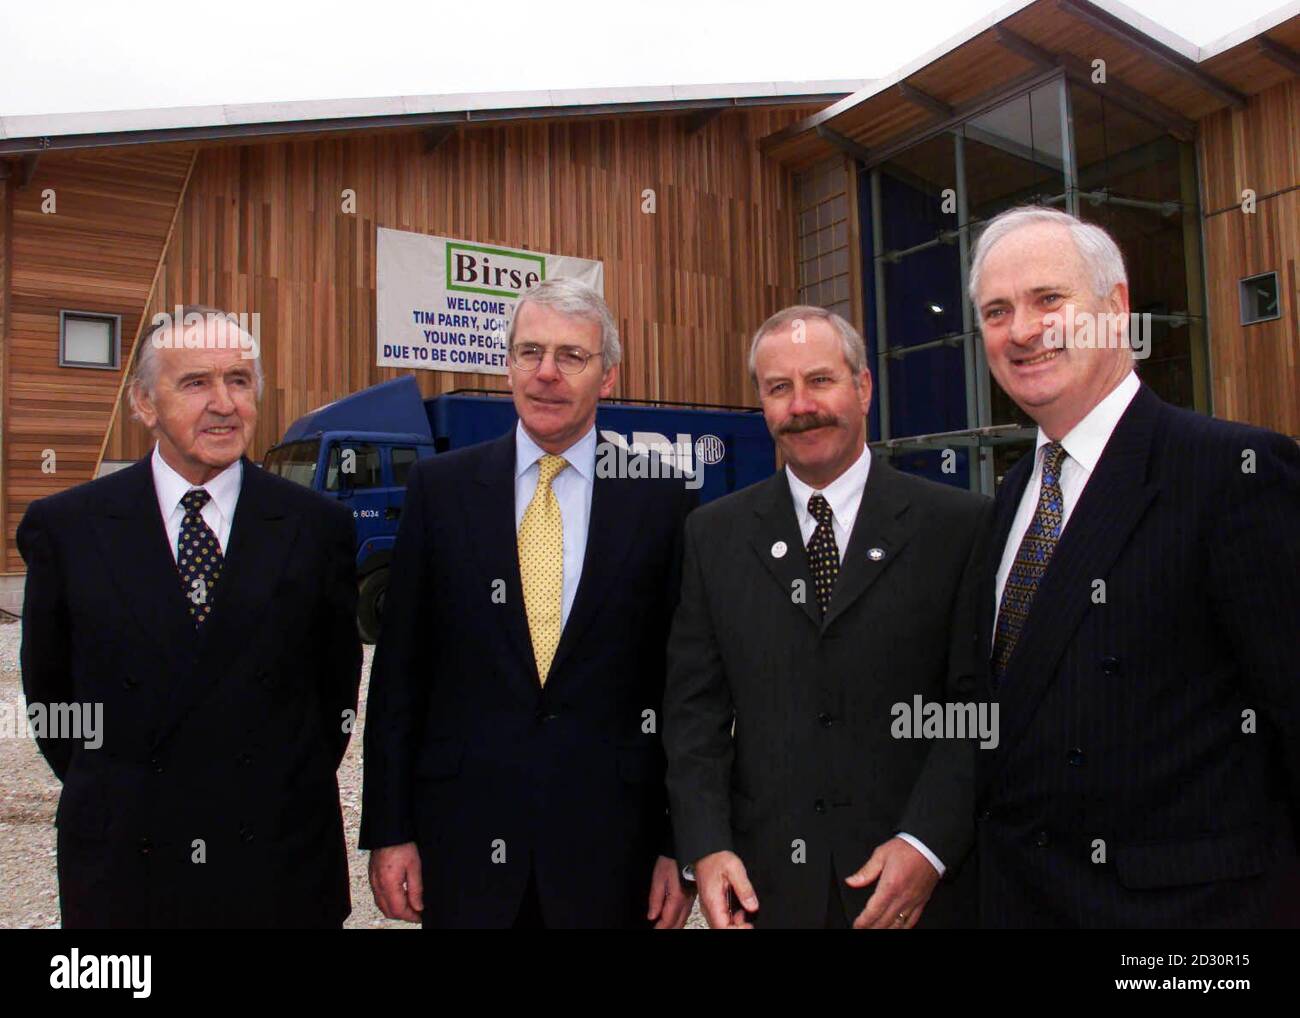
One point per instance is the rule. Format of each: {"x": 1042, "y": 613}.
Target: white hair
{"x": 855, "y": 350}
{"x": 1098, "y": 251}
{"x": 575, "y": 298}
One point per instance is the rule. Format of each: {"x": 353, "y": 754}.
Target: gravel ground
{"x": 29, "y": 793}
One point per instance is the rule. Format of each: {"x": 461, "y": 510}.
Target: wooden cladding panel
{"x": 94, "y": 249}
{"x": 1256, "y": 148}
{"x": 261, "y": 230}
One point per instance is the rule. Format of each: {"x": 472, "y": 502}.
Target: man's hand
{"x": 670, "y": 902}
{"x": 906, "y": 879}
{"x": 396, "y": 882}
{"x": 718, "y": 876}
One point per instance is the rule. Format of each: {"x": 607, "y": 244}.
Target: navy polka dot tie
{"x": 823, "y": 552}
{"x": 198, "y": 556}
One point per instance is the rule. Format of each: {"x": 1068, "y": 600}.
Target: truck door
{"x": 354, "y": 474}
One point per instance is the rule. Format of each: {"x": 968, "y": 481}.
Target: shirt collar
{"x": 1087, "y": 440}
{"x": 581, "y": 456}
{"x": 844, "y": 494}
{"x": 171, "y": 486}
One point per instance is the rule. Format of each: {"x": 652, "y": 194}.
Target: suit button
{"x": 264, "y": 677}
{"x": 1041, "y": 839}
{"x": 245, "y": 758}
{"x": 245, "y": 834}
{"x": 545, "y": 716}
{"x": 1075, "y": 757}
{"x": 985, "y": 814}
{"x": 146, "y": 846}
{"x": 156, "y": 764}
{"x": 1110, "y": 665}
{"x": 130, "y": 682}
{"x": 819, "y": 806}
{"x": 825, "y": 720}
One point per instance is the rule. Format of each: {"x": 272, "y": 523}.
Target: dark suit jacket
{"x": 229, "y": 735}
{"x": 1122, "y": 721}
{"x": 812, "y": 757}
{"x": 468, "y": 755}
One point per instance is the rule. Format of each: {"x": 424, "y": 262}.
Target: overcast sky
{"x": 60, "y": 56}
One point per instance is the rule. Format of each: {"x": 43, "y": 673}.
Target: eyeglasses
{"x": 571, "y": 360}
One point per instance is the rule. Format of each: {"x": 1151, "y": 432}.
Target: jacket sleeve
{"x": 1254, "y": 559}
{"x": 672, "y": 597}
{"x": 397, "y": 702}
{"x": 698, "y": 715}
{"x": 340, "y": 645}
{"x": 45, "y": 655}
{"x": 940, "y": 811}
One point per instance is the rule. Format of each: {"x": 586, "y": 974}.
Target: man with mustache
{"x": 815, "y": 604}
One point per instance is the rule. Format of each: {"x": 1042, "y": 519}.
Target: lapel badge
{"x": 876, "y": 554}
{"x": 779, "y": 549}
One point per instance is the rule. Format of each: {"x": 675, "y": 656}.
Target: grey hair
{"x": 855, "y": 350}
{"x": 144, "y": 372}
{"x": 573, "y": 297}
{"x": 1098, "y": 251}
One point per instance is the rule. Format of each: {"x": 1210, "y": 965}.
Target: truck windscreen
{"x": 294, "y": 461}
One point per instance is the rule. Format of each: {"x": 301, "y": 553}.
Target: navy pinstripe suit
{"x": 1127, "y": 789}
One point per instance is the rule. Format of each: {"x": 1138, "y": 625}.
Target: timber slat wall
{"x": 1255, "y": 368}
{"x": 97, "y": 251}
{"x": 261, "y": 230}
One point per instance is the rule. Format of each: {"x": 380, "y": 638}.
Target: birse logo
{"x": 494, "y": 271}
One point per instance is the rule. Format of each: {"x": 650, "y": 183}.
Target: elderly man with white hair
{"x": 209, "y": 609}
{"x": 1141, "y": 620}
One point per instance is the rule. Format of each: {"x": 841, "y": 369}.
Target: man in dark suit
{"x": 1141, "y": 613}
{"x": 816, "y": 608}
{"x": 513, "y": 766}
{"x": 208, "y": 609}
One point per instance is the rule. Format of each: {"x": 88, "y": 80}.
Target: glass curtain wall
{"x": 938, "y": 412}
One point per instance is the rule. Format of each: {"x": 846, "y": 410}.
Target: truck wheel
{"x": 370, "y": 604}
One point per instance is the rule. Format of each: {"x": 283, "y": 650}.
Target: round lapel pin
{"x": 876, "y": 554}
{"x": 779, "y": 549}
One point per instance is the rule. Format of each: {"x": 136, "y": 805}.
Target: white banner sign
{"x": 444, "y": 305}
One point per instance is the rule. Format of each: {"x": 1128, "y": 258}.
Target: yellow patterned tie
{"x": 541, "y": 564}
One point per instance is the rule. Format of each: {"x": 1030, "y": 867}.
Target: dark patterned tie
{"x": 823, "y": 553}
{"x": 1031, "y": 561}
{"x": 198, "y": 556}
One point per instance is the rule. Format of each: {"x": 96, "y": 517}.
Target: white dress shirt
{"x": 572, "y": 487}
{"x": 218, "y": 513}
{"x": 1083, "y": 448}
{"x": 844, "y": 495}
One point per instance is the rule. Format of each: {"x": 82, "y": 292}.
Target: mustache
{"x": 806, "y": 422}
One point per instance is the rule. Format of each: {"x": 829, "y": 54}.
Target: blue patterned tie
{"x": 823, "y": 552}
{"x": 1032, "y": 557}
{"x": 198, "y": 556}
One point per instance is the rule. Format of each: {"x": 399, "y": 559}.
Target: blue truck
{"x": 360, "y": 449}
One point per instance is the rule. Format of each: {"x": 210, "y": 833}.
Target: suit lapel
{"x": 614, "y": 520}
{"x": 261, "y": 538}
{"x": 1112, "y": 503}
{"x": 879, "y": 534}
{"x": 490, "y": 519}
{"x": 776, "y": 529}
{"x": 133, "y": 539}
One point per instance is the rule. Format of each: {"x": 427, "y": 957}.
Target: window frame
{"x": 101, "y": 316}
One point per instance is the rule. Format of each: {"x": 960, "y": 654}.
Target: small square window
{"x": 1259, "y": 299}
{"x": 89, "y": 340}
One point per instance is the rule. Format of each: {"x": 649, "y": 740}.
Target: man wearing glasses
{"x": 514, "y": 774}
